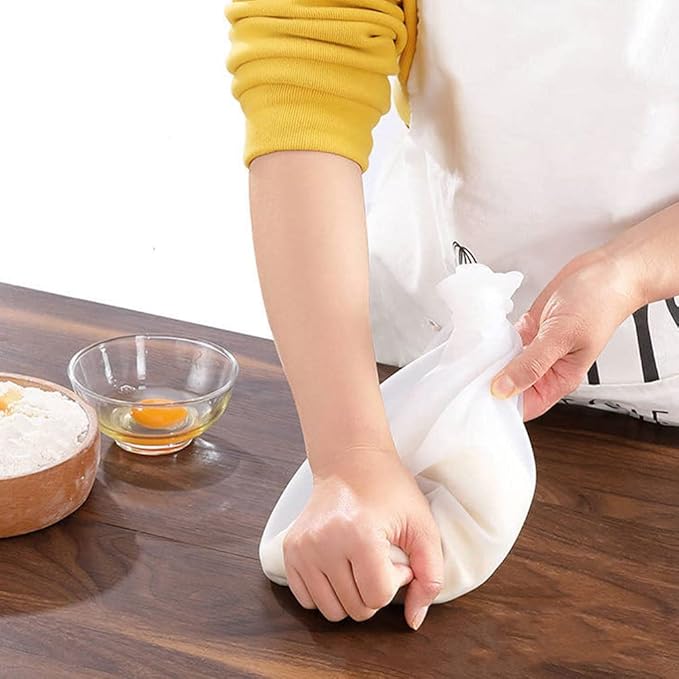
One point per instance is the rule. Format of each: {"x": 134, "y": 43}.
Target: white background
{"x": 121, "y": 177}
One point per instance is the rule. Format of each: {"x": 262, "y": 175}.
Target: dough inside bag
{"x": 469, "y": 452}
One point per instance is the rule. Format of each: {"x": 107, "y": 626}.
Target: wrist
{"x": 622, "y": 266}
{"x": 355, "y": 466}
{"x": 346, "y": 458}
{"x": 646, "y": 253}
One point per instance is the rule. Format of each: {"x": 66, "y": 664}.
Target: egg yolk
{"x": 152, "y": 417}
{"x": 9, "y": 397}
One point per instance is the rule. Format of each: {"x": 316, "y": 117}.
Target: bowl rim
{"x": 90, "y": 437}
{"x": 227, "y": 386}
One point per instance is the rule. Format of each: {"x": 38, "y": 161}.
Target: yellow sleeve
{"x": 312, "y": 75}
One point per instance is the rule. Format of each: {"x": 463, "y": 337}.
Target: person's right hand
{"x": 337, "y": 552}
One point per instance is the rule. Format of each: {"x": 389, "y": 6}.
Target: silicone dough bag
{"x": 469, "y": 451}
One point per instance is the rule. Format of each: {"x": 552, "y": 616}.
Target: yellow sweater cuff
{"x": 290, "y": 118}
{"x": 312, "y": 75}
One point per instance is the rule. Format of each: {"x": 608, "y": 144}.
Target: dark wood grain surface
{"x": 157, "y": 574}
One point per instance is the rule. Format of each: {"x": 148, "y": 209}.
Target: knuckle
{"x": 290, "y": 545}
{"x": 302, "y": 544}
{"x": 314, "y": 537}
{"x": 309, "y": 605}
{"x": 363, "y": 614}
{"x": 570, "y": 333}
{"x": 303, "y": 601}
{"x": 533, "y": 367}
{"x": 564, "y": 342}
{"x": 432, "y": 588}
{"x": 364, "y": 538}
{"x": 334, "y": 615}
{"x": 379, "y": 596}
{"x": 377, "y": 600}
{"x": 563, "y": 332}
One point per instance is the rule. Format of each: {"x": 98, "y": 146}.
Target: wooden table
{"x": 157, "y": 575}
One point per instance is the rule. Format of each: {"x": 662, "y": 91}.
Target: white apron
{"x": 539, "y": 131}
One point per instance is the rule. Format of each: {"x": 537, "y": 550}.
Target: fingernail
{"x": 503, "y": 387}
{"x": 419, "y": 617}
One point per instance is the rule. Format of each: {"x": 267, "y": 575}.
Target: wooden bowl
{"x": 37, "y": 500}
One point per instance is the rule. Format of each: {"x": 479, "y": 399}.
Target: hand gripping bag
{"x": 469, "y": 451}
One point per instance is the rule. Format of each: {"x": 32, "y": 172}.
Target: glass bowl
{"x": 154, "y": 394}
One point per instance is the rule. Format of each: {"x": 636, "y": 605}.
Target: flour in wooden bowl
{"x": 38, "y": 429}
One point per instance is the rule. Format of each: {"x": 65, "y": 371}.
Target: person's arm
{"x": 572, "y": 320}
{"x": 311, "y": 77}
{"x": 310, "y": 241}
{"x": 649, "y": 252}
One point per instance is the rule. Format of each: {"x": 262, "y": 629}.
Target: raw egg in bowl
{"x": 154, "y": 394}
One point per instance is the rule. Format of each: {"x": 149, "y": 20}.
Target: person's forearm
{"x": 649, "y": 251}
{"x": 310, "y": 241}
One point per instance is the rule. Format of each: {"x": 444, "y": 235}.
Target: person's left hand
{"x": 566, "y": 329}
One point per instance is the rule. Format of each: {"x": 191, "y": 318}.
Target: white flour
{"x": 38, "y": 429}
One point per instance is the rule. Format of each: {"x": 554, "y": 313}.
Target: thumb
{"x": 426, "y": 563}
{"x": 531, "y": 364}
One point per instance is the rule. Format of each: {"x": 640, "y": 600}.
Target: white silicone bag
{"x": 469, "y": 451}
